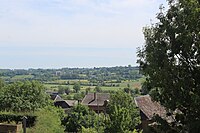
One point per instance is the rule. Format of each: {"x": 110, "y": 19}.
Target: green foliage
{"x": 127, "y": 90}
{"x": 88, "y": 130}
{"x": 120, "y": 120}
{"x": 134, "y": 131}
{"x": 88, "y": 89}
{"x": 123, "y": 115}
{"x": 23, "y": 96}
{"x": 97, "y": 89}
{"x": 67, "y": 90}
{"x": 2, "y": 83}
{"x": 170, "y": 60}
{"x": 12, "y": 117}
{"x": 92, "y": 74}
{"x": 81, "y": 116}
{"x": 144, "y": 89}
{"x": 77, "y": 87}
{"x": 136, "y": 91}
{"x": 61, "y": 89}
{"x": 48, "y": 121}
{"x": 67, "y": 97}
{"x": 78, "y": 96}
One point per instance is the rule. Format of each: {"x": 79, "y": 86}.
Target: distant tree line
{"x": 91, "y": 74}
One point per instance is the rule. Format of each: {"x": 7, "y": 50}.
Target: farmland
{"x": 107, "y": 79}
{"x": 85, "y": 84}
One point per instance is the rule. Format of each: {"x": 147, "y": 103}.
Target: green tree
{"x": 127, "y": 90}
{"x": 48, "y": 121}
{"x": 123, "y": 114}
{"x": 23, "y": 96}
{"x": 61, "y": 89}
{"x": 144, "y": 89}
{"x": 77, "y": 87}
{"x": 88, "y": 130}
{"x": 78, "y": 96}
{"x": 97, "y": 89}
{"x": 81, "y": 116}
{"x": 67, "y": 90}
{"x": 2, "y": 83}
{"x": 88, "y": 89}
{"x": 170, "y": 60}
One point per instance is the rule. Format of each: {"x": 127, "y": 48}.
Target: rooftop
{"x": 149, "y": 107}
{"x": 92, "y": 99}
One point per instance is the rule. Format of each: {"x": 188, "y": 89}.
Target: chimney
{"x": 95, "y": 95}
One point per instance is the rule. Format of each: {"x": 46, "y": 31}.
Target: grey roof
{"x": 58, "y": 98}
{"x": 71, "y": 103}
{"x": 149, "y": 107}
{"x": 55, "y": 97}
{"x": 90, "y": 99}
{"x": 66, "y": 103}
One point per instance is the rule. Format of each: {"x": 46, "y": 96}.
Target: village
{"x": 98, "y": 102}
{"x": 100, "y": 66}
{"x": 104, "y": 105}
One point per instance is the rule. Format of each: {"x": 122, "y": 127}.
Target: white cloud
{"x": 109, "y": 23}
{"x": 78, "y": 33}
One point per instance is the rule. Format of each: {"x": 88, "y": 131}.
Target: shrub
{"x": 48, "y": 121}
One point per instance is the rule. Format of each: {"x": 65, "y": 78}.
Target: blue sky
{"x": 72, "y": 33}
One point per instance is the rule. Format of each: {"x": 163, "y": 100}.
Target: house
{"x": 59, "y": 102}
{"x": 148, "y": 109}
{"x": 55, "y": 97}
{"x": 65, "y": 104}
{"x": 96, "y": 101}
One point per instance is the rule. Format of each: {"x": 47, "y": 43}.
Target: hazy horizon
{"x": 68, "y": 67}
{"x": 73, "y": 33}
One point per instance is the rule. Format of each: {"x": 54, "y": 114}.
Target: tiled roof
{"x": 92, "y": 99}
{"x": 58, "y": 98}
{"x": 66, "y": 103}
{"x": 149, "y": 107}
{"x": 71, "y": 103}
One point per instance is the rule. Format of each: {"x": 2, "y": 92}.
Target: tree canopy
{"x": 23, "y": 96}
{"x": 170, "y": 60}
{"x": 91, "y": 74}
{"x": 48, "y": 121}
{"x": 81, "y": 116}
{"x": 76, "y": 87}
{"x": 123, "y": 114}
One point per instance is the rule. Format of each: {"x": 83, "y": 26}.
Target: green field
{"x": 109, "y": 86}
{"x": 17, "y": 77}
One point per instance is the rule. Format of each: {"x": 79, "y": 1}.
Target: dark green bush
{"x": 17, "y": 119}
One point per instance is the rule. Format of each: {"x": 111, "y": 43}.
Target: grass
{"x": 110, "y": 86}
{"x": 22, "y": 77}
{"x": 70, "y": 81}
{"x": 4, "y": 77}
{"x": 133, "y": 84}
{"x": 17, "y": 77}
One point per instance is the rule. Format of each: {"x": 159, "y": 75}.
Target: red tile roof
{"x": 149, "y": 107}
{"x": 92, "y": 99}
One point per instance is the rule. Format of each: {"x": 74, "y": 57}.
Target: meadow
{"x": 108, "y": 86}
